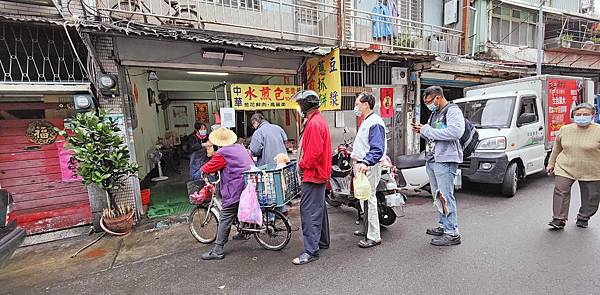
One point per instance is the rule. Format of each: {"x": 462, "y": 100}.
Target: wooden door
{"x": 32, "y": 173}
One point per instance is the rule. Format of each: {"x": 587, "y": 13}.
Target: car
{"x": 11, "y": 236}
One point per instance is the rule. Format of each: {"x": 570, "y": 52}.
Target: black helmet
{"x": 307, "y": 100}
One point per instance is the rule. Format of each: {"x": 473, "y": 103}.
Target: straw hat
{"x": 222, "y": 137}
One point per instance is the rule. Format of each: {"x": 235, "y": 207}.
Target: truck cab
{"x": 511, "y": 137}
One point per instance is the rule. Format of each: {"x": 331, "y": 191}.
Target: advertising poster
{"x": 252, "y": 97}
{"x": 324, "y": 78}
{"x": 68, "y": 166}
{"x": 563, "y": 96}
{"x": 201, "y": 113}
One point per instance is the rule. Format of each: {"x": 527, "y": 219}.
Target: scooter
{"x": 390, "y": 201}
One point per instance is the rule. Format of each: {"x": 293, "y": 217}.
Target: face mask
{"x": 202, "y": 132}
{"x": 432, "y": 107}
{"x": 357, "y": 111}
{"x": 583, "y": 120}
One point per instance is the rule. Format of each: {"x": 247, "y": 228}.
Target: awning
{"x": 143, "y": 30}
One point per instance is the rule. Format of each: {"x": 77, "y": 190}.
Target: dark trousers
{"x": 225, "y": 220}
{"x": 313, "y": 214}
{"x": 590, "y": 198}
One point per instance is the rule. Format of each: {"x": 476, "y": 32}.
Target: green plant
{"x": 567, "y": 37}
{"x": 404, "y": 39}
{"x": 101, "y": 154}
{"x": 596, "y": 40}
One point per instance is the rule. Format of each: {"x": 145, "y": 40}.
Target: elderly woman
{"x": 575, "y": 158}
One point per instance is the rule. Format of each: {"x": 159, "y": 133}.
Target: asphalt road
{"x": 507, "y": 249}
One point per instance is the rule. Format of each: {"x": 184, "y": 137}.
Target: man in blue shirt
{"x": 267, "y": 141}
{"x": 368, "y": 150}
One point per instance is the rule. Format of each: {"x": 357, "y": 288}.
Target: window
{"x": 245, "y": 4}
{"x": 528, "y": 106}
{"x": 513, "y": 27}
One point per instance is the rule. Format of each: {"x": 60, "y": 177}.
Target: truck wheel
{"x": 511, "y": 178}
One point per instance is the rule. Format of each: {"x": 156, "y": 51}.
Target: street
{"x": 507, "y": 249}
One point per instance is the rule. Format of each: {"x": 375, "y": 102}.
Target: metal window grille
{"x": 351, "y": 71}
{"x": 348, "y": 102}
{"x": 307, "y": 12}
{"x": 35, "y": 53}
{"x": 411, "y": 9}
{"x": 378, "y": 73}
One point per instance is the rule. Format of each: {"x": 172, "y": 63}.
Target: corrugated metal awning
{"x": 224, "y": 39}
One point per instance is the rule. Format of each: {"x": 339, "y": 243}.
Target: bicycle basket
{"x": 275, "y": 187}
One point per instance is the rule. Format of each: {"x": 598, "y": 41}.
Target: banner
{"x": 386, "y": 95}
{"x": 252, "y": 97}
{"x": 324, "y": 78}
{"x": 68, "y": 165}
{"x": 563, "y": 96}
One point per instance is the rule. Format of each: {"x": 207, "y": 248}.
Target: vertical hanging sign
{"x": 324, "y": 78}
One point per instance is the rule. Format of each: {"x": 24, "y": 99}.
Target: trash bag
{"x": 249, "y": 209}
{"x": 362, "y": 187}
{"x": 202, "y": 196}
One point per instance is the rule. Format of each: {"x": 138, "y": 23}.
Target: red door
{"x": 32, "y": 173}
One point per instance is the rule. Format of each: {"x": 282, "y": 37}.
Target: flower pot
{"x": 120, "y": 224}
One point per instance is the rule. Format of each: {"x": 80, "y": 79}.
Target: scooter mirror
{"x": 346, "y": 130}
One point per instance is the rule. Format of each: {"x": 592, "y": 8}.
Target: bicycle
{"x": 274, "y": 234}
{"x": 138, "y": 10}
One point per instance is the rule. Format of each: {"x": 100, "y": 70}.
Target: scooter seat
{"x": 410, "y": 161}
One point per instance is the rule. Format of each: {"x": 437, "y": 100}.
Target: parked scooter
{"x": 390, "y": 201}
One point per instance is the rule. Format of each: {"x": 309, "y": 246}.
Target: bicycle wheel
{"x": 277, "y": 233}
{"x": 121, "y": 11}
{"x": 203, "y": 225}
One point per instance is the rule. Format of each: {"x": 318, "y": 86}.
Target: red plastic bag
{"x": 202, "y": 196}
{"x": 249, "y": 209}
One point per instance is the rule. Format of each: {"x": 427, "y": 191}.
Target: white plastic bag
{"x": 362, "y": 187}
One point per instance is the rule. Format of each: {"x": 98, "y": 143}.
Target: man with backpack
{"x": 443, "y": 153}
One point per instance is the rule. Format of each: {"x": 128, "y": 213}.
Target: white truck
{"x": 518, "y": 121}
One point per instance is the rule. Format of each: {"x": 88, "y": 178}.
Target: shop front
{"x": 213, "y": 85}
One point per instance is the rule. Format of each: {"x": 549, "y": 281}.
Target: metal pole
{"x": 540, "y": 38}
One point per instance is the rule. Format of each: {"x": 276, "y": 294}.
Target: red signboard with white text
{"x": 563, "y": 96}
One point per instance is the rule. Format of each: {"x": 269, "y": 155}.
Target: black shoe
{"x": 557, "y": 223}
{"x": 359, "y": 233}
{"x": 582, "y": 223}
{"x": 438, "y": 231}
{"x": 446, "y": 240}
{"x": 212, "y": 256}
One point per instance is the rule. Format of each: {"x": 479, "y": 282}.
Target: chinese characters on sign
{"x": 41, "y": 132}
{"x": 324, "y": 78}
{"x": 387, "y": 102}
{"x": 563, "y": 96}
{"x": 263, "y": 97}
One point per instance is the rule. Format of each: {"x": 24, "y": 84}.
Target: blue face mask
{"x": 582, "y": 120}
{"x": 357, "y": 111}
{"x": 202, "y": 132}
{"x": 432, "y": 107}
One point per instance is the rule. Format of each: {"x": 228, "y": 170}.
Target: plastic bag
{"x": 249, "y": 209}
{"x": 362, "y": 187}
{"x": 202, "y": 196}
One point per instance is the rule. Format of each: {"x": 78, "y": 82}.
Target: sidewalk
{"x": 43, "y": 264}
{"x": 52, "y": 262}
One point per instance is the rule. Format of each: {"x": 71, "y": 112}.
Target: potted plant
{"x": 566, "y": 40}
{"x": 103, "y": 160}
{"x": 596, "y": 41}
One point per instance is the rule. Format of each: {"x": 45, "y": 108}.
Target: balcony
{"x": 297, "y": 20}
{"x": 572, "y": 35}
{"x": 364, "y": 30}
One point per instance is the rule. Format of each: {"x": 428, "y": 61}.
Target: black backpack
{"x": 470, "y": 136}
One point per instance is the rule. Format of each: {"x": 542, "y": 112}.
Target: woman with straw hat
{"x": 233, "y": 160}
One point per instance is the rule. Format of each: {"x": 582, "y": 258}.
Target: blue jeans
{"x": 441, "y": 180}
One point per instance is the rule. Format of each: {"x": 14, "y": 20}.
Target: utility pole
{"x": 540, "y": 38}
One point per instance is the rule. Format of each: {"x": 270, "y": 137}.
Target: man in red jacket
{"x": 315, "y": 169}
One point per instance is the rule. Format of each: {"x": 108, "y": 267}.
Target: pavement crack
{"x": 112, "y": 264}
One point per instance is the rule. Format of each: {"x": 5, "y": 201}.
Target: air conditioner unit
{"x": 399, "y": 76}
